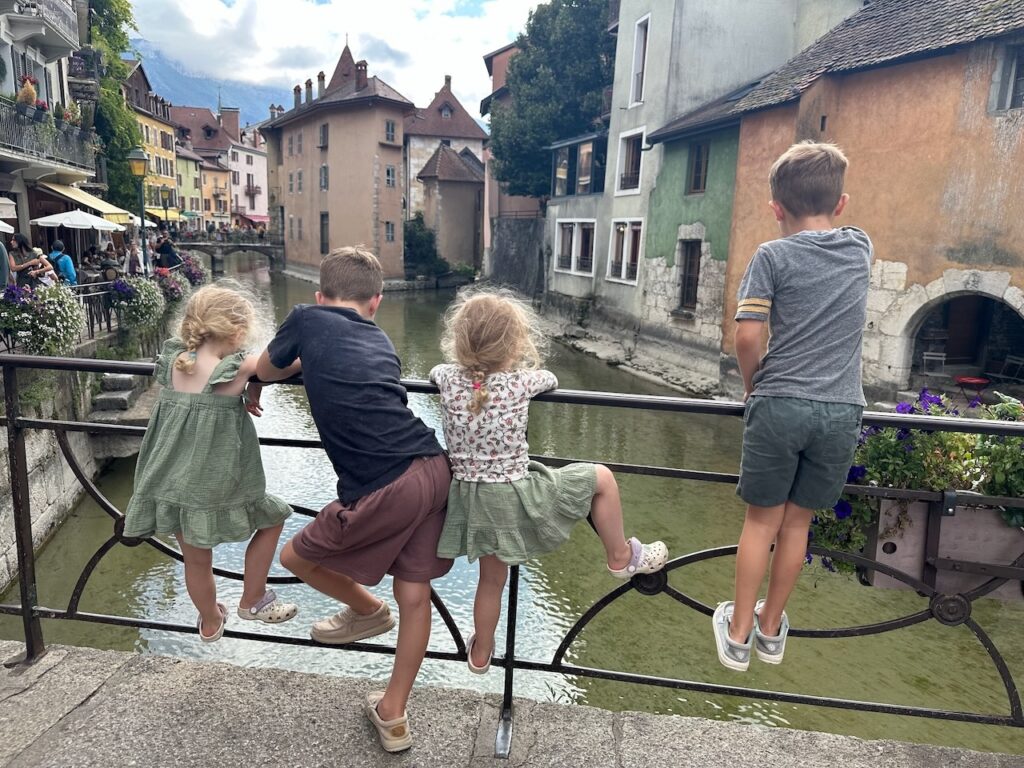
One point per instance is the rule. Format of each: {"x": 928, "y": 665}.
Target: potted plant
{"x": 42, "y": 111}
{"x": 58, "y": 115}
{"x": 26, "y": 99}
{"x": 73, "y": 115}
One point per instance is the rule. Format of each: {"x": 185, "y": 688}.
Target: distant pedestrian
{"x": 25, "y": 264}
{"x": 134, "y": 265}
{"x": 5, "y": 267}
{"x": 504, "y": 509}
{"x": 199, "y": 474}
{"x": 803, "y": 396}
{"x": 63, "y": 263}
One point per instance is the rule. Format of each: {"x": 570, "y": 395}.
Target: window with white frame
{"x": 630, "y": 161}
{"x": 575, "y": 246}
{"x": 389, "y": 231}
{"x": 389, "y": 176}
{"x": 324, "y": 180}
{"x": 389, "y": 130}
{"x": 636, "y": 92}
{"x": 624, "y": 249}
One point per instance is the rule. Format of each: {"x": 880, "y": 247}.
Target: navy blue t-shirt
{"x": 353, "y": 379}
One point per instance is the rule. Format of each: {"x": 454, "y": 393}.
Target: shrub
{"x": 1003, "y": 458}
{"x": 58, "y": 321}
{"x": 139, "y": 303}
{"x": 27, "y": 92}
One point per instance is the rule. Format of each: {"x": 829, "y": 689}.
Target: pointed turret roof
{"x": 345, "y": 72}
{"x": 431, "y": 121}
{"x": 448, "y": 165}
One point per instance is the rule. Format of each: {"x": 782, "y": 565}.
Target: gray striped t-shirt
{"x": 812, "y": 288}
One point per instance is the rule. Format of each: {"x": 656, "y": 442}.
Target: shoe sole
{"x": 727, "y": 661}
{"x": 356, "y": 636}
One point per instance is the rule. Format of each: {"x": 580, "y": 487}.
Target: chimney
{"x": 320, "y": 85}
{"x": 229, "y": 121}
{"x": 360, "y": 75}
{"x": 309, "y": 90}
{"x": 298, "y": 96}
{"x": 273, "y": 111}
{"x": 448, "y": 82}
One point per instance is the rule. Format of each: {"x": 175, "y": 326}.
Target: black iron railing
{"x": 23, "y": 135}
{"x": 944, "y": 609}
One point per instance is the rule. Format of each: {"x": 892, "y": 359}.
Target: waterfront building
{"x": 216, "y": 186}
{"x": 40, "y": 161}
{"x": 508, "y": 219}
{"x": 927, "y": 100}
{"x": 619, "y": 209}
{"x": 330, "y": 159}
{"x": 190, "y": 187}
{"x": 157, "y": 127}
{"x": 247, "y": 160}
{"x": 453, "y": 197}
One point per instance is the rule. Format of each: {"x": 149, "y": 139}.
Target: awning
{"x": 80, "y": 196}
{"x": 191, "y": 215}
{"x": 7, "y": 208}
{"x": 257, "y": 219}
{"x": 158, "y": 214}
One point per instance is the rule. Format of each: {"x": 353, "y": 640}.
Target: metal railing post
{"x": 17, "y": 460}
{"x": 503, "y": 738}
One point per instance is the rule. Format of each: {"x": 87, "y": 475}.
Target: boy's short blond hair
{"x": 808, "y": 179}
{"x": 351, "y": 273}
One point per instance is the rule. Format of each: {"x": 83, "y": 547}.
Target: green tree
{"x": 556, "y": 83}
{"x": 110, "y": 27}
{"x": 421, "y": 249}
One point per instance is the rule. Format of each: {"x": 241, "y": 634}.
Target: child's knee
{"x": 411, "y": 595}
{"x": 291, "y": 561}
{"x": 493, "y": 574}
{"x": 605, "y": 478}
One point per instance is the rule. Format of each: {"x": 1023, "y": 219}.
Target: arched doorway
{"x": 964, "y": 335}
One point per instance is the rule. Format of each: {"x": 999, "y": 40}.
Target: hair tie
{"x": 476, "y": 385}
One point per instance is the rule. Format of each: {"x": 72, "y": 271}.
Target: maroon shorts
{"x": 392, "y": 530}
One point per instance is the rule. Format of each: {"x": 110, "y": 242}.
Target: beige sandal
{"x": 220, "y": 630}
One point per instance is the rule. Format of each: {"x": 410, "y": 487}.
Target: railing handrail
{"x": 947, "y": 609}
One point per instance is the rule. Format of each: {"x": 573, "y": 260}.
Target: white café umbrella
{"x": 5, "y": 227}
{"x": 148, "y": 224}
{"x": 78, "y": 220}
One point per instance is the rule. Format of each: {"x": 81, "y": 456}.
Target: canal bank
{"x": 86, "y": 708}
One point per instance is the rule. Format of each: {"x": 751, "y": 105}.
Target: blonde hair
{"x": 489, "y": 331}
{"x": 213, "y": 313}
{"x": 351, "y": 273}
{"x": 808, "y": 179}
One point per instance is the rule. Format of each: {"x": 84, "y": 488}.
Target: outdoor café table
{"x": 976, "y": 383}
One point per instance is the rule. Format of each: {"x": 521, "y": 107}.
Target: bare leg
{"x": 787, "y": 563}
{"x": 487, "y": 607}
{"x": 759, "y": 532}
{"x": 606, "y": 514}
{"x": 331, "y": 583}
{"x": 258, "y": 557}
{"x": 413, "y": 634}
{"x": 200, "y": 584}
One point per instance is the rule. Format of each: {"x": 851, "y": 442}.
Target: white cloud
{"x": 415, "y": 42}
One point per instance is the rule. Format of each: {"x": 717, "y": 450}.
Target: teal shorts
{"x": 796, "y": 450}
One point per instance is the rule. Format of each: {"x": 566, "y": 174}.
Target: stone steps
{"x": 119, "y": 391}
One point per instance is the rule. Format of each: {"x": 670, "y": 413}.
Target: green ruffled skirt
{"x": 519, "y": 520}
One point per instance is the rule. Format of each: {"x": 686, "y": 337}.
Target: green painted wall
{"x": 669, "y": 207}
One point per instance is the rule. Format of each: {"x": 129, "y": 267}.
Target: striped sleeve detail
{"x": 755, "y": 306}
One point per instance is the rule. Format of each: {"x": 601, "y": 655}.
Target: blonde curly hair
{"x": 213, "y": 313}
{"x": 492, "y": 330}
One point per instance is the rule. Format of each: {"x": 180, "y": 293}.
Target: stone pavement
{"x": 79, "y": 707}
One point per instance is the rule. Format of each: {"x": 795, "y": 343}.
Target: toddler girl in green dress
{"x": 199, "y": 473}
{"x": 503, "y": 508}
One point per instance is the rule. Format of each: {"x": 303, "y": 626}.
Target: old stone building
{"x": 453, "y": 201}
{"x": 335, "y": 167}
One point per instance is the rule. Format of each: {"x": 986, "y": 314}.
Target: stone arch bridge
{"x": 218, "y": 250}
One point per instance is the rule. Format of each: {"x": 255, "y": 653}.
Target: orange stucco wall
{"x": 934, "y": 175}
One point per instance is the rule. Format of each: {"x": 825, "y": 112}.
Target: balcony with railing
{"x": 220, "y": 190}
{"x": 24, "y": 137}
{"x": 49, "y": 25}
{"x": 251, "y": 190}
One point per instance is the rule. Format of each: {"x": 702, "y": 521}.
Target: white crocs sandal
{"x": 469, "y": 658}
{"x": 269, "y": 610}
{"x": 646, "y": 558}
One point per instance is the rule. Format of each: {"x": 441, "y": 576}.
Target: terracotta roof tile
{"x": 448, "y": 165}
{"x": 196, "y": 120}
{"x": 430, "y": 122}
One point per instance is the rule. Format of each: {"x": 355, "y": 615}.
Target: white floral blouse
{"x": 489, "y": 446}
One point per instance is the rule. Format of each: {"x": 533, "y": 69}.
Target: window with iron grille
{"x": 689, "y": 274}
{"x": 630, "y": 153}
{"x": 624, "y": 250}
{"x": 325, "y": 233}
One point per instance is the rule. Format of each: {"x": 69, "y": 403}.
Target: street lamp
{"x": 165, "y": 196}
{"x": 138, "y": 164}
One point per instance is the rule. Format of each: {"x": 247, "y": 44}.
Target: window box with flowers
{"x": 894, "y": 532}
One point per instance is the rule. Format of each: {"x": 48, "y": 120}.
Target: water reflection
{"x": 651, "y": 635}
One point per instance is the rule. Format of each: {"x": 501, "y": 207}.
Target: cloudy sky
{"x": 411, "y": 44}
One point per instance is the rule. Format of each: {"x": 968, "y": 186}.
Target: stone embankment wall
{"x": 53, "y": 488}
{"x": 517, "y": 255}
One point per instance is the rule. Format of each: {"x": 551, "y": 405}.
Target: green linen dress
{"x": 199, "y": 471}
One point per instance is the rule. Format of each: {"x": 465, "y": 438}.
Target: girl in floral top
{"x": 503, "y": 508}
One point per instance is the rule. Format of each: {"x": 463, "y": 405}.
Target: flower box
{"x": 973, "y": 534}
{"x": 24, "y": 109}
{"x": 39, "y": 115}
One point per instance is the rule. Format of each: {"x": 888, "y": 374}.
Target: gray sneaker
{"x": 732, "y": 654}
{"x": 769, "y": 648}
{"x": 347, "y": 626}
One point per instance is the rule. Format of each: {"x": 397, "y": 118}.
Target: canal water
{"x": 926, "y": 665}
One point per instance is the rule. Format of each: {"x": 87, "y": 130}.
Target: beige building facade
{"x": 453, "y": 202}
{"x": 335, "y": 167}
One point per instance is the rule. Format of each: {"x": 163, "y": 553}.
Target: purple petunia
{"x": 827, "y": 564}
{"x": 842, "y": 509}
{"x": 904, "y": 408}
{"x": 808, "y": 558}
{"x": 857, "y": 473}
{"x": 974, "y": 403}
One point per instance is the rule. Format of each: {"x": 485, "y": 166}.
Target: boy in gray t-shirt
{"x": 804, "y": 396}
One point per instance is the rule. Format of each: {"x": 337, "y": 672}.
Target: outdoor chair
{"x": 1011, "y": 372}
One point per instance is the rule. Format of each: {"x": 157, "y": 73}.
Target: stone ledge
{"x": 84, "y": 708}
